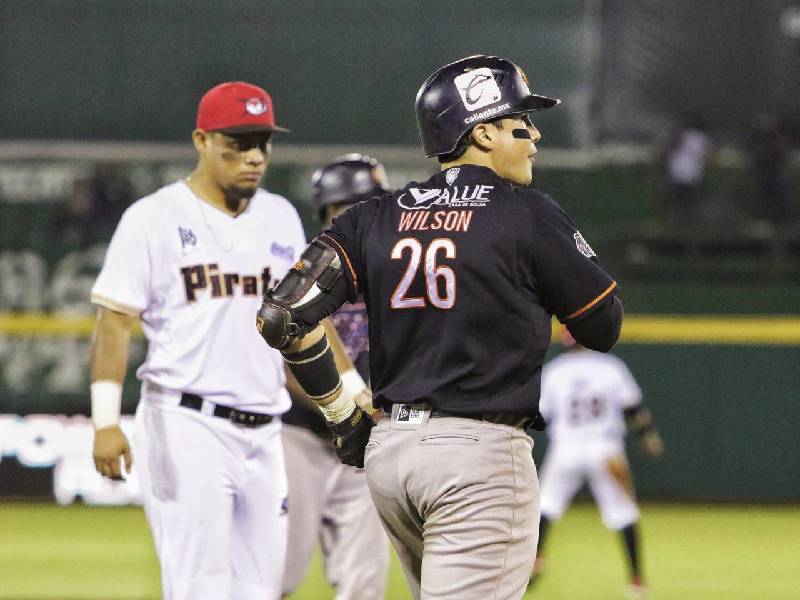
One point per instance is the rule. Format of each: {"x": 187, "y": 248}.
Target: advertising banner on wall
{"x": 50, "y": 457}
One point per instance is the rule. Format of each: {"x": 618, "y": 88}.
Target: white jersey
{"x": 584, "y": 395}
{"x": 195, "y": 276}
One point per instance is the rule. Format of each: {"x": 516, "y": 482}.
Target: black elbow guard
{"x": 312, "y": 289}
{"x": 274, "y": 323}
{"x": 599, "y": 330}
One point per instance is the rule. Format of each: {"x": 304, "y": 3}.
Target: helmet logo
{"x": 477, "y": 88}
{"x": 524, "y": 78}
{"x": 451, "y": 175}
{"x": 255, "y": 106}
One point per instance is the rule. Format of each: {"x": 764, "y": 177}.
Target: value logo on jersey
{"x": 466, "y": 196}
{"x": 477, "y": 88}
{"x": 197, "y": 278}
{"x": 583, "y": 246}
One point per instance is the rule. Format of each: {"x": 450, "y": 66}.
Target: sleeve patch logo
{"x": 284, "y": 252}
{"x": 188, "y": 240}
{"x": 583, "y": 246}
{"x": 452, "y": 174}
{"x": 477, "y": 88}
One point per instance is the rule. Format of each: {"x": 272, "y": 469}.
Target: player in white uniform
{"x": 191, "y": 262}
{"x": 329, "y": 502}
{"x": 586, "y": 399}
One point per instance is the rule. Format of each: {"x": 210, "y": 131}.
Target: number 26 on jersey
{"x": 440, "y": 280}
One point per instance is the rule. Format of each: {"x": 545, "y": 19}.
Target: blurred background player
{"x": 191, "y": 262}
{"x": 329, "y": 502}
{"x": 587, "y": 399}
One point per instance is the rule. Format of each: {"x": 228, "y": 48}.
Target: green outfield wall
{"x": 727, "y": 411}
{"x": 712, "y": 334}
{"x": 729, "y": 418}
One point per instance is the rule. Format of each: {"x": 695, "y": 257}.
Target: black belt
{"x": 512, "y": 419}
{"x": 240, "y": 417}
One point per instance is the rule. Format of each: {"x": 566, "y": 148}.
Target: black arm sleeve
{"x": 600, "y": 328}
{"x": 315, "y": 370}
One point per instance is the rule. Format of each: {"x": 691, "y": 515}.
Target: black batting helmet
{"x": 469, "y": 91}
{"x": 347, "y": 180}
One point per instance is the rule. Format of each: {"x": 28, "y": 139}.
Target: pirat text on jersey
{"x": 200, "y": 277}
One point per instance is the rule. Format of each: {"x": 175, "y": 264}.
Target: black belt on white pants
{"x": 234, "y": 415}
{"x": 511, "y": 419}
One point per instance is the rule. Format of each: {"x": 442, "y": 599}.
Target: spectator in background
{"x": 110, "y": 193}
{"x": 770, "y": 144}
{"x": 73, "y": 218}
{"x": 92, "y": 210}
{"x": 686, "y": 157}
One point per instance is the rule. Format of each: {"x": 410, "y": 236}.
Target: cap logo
{"x": 255, "y": 106}
{"x": 477, "y": 88}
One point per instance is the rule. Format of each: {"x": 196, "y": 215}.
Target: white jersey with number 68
{"x": 584, "y": 395}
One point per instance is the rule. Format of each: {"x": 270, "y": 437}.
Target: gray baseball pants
{"x": 329, "y": 504}
{"x": 459, "y": 499}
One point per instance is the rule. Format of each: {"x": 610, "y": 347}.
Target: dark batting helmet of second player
{"x": 348, "y": 179}
{"x": 469, "y": 91}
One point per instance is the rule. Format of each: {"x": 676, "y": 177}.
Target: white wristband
{"x": 338, "y": 410}
{"x": 106, "y": 403}
{"x": 352, "y": 384}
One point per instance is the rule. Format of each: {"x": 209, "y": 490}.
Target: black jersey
{"x": 461, "y": 275}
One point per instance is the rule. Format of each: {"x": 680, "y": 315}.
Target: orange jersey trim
{"x": 343, "y": 253}
{"x": 582, "y": 310}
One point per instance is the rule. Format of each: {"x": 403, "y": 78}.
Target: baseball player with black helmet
{"x": 329, "y": 502}
{"x": 461, "y": 275}
{"x": 191, "y": 262}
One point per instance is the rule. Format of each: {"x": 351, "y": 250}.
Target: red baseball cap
{"x": 236, "y": 107}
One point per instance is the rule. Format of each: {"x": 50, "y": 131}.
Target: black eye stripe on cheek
{"x": 522, "y": 134}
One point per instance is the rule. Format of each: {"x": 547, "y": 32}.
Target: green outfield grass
{"x": 696, "y": 552}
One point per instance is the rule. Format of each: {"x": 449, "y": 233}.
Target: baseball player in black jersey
{"x": 461, "y": 275}
{"x": 329, "y": 502}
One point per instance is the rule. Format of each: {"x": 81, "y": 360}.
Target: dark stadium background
{"x": 102, "y": 95}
